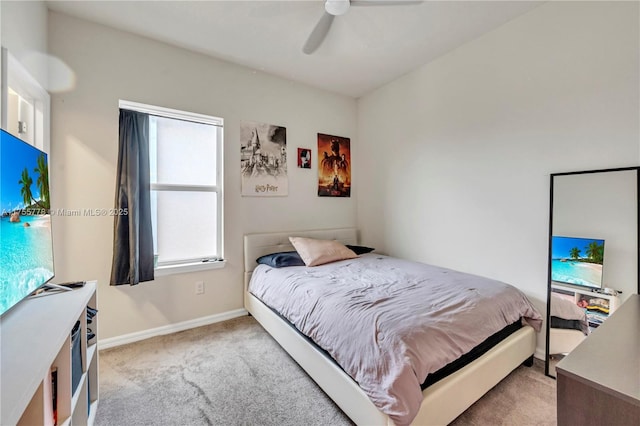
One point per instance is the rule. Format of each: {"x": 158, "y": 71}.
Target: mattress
{"x": 472, "y": 355}
{"x": 448, "y": 369}
{"x": 556, "y": 322}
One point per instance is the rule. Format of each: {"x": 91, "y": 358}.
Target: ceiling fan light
{"x": 337, "y": 7}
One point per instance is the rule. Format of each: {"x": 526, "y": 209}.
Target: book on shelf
{"x": 54, "y": 393}
{"x": 598, "y": 304}
{"x": 595, "y": 318}
{"x": 49, "y": 395}
{"x": 594, "y": 303}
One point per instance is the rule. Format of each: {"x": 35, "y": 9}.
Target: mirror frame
{"x": 553, "y": 176}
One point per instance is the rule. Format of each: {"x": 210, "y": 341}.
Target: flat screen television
{"x": 26, "y": 244}
{"x": 577, "y": 261}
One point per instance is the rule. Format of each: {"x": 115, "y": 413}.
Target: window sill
{"x": 161, "y": 271}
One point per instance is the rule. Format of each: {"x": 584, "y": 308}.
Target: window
{"x": 185, "y": 158}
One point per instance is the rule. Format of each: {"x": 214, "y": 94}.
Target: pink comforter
{"x": 389, "y": 322}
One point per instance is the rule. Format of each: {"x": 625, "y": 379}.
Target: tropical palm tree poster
{"x": 334, "y": 166}
{"x": 263, "y": 159}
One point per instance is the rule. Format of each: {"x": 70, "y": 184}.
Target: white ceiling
{"x": 365, "y": 48}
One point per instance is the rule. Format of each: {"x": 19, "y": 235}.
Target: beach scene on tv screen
{"x": 26, "y": 254}
{"x": 577, "y": 261}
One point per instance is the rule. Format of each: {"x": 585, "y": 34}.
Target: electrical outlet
{"x": 199, "y": 287}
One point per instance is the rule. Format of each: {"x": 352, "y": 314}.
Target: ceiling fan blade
{"x": 318, "y": 34}
{"x": 385, "y": 2}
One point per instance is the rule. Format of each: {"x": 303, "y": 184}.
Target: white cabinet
{"x": 36, "y": 339}
{"x": 599, "y": 306}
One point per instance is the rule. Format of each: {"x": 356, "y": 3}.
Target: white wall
{"x": 111, "y": 65}
{"x": 457, "y": 154}
{"x": 23, "y": 31}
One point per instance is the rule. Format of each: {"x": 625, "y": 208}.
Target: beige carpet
{"x": 234, "y": 373}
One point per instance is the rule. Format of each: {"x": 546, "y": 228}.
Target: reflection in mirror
{"x": 593, "y": 257}
{"x": 568, "y": 326}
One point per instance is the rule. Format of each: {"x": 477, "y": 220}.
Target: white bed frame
{"x": 562, "y": 340}
{"x": 443, "y": 401}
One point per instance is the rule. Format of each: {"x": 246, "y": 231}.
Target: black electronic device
{"x": 73, "y": 284}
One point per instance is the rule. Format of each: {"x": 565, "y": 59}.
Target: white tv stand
{"x": 35, "y": 337}
{"x": 580, "y": 293}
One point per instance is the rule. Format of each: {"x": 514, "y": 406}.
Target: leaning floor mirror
{"x": 593, "y": 254}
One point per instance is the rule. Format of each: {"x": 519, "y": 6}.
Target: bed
{"x": 568, "y": 325}
{"x": 441, "y": 402}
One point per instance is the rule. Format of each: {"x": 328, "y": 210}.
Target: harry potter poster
{"x": 263, "y": 159}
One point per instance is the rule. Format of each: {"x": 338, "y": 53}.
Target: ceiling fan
{"x": 333, "y": 8}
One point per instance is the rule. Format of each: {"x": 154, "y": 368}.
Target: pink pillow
{"x": 318, "y": 252}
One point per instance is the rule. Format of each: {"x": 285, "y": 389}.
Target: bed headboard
{"x": 256, "y": 245}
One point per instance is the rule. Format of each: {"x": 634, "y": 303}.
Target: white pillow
{"x": 318, "y": 252}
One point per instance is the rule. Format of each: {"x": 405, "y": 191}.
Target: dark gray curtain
{"x": 132, "y": 233}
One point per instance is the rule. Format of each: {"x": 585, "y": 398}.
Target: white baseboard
{"x": 540, "y": 354}
{"x": 168, "y": 329}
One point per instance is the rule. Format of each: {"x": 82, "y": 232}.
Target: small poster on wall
{"x": 304, "y": 158}
{"x": 263, "y": 159}
{"x": 334, "y": 166}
